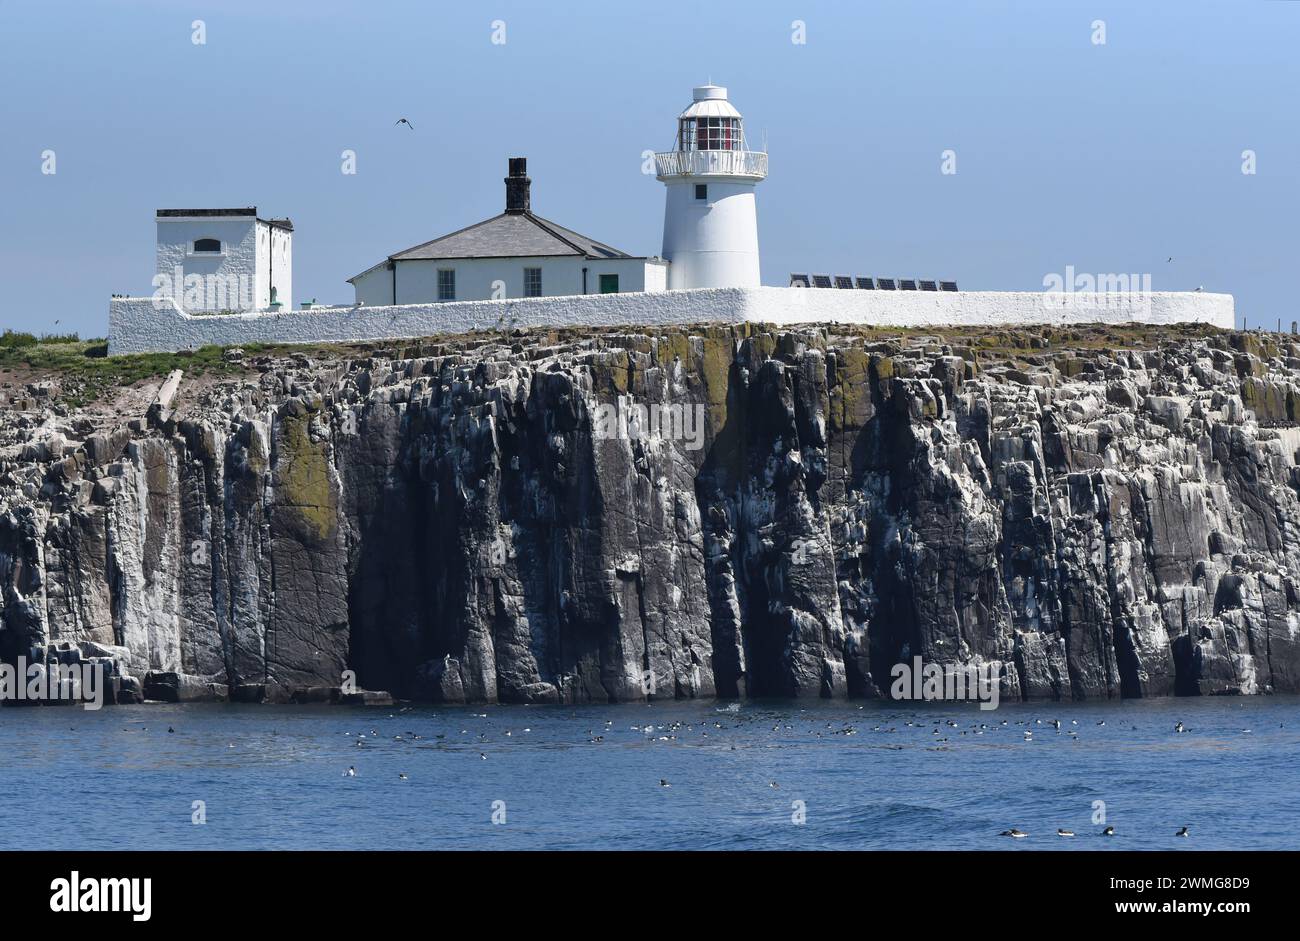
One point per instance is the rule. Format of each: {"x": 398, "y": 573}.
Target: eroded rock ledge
{"x": 1104, "y": 512}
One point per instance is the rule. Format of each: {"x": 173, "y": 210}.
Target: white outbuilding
{"x": 514, "y": 254}
{"x": 213, "y": 260}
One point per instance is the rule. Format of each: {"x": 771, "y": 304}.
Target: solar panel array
{"x": 844, "y": 282}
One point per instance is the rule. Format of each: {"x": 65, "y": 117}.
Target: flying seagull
{"x": 404, "y": 121}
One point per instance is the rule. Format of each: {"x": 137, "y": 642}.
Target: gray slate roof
{"x": 509, "y": 235}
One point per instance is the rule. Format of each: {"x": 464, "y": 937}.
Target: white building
{"x": 224, "y": 259}
{"x": 520, "y": 270}
{"x": 710, "y": 222}
{"x": 515, "y": 254}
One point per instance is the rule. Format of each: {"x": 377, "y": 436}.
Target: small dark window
{"x": 207, "y": 245}
{"x": 701, "y": 191}
{"x": 609, "y": 284}
{"x": 446, "y": 284}
{"x": 532, "y": 282}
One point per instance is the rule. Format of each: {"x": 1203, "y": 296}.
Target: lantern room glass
{"x": 709, "y": 134}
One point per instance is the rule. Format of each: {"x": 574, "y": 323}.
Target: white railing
{"x": 745, "y": 163}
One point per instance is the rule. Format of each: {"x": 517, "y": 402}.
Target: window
{"x": 446, "y": 284}
{"x": 207, "y": 246}
{"x": 701, "y": 190}
{"x": 710, "y": 134}
{"x": 532, "y": 282}
{"x": 609, "y": 284}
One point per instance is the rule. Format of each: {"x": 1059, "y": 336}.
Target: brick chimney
{"x": 517, "y": 186}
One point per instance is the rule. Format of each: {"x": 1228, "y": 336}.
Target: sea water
{"x": 663, "y": 776}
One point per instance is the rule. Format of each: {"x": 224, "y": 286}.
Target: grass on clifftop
{"x": 86, "y": 370}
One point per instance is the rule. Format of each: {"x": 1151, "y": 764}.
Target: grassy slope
{"x": 86, "y": 371}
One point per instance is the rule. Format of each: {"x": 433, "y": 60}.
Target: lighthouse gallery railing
{"x": 747, "y": 163}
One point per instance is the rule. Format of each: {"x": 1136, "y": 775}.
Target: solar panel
{"x": 821, "y": 280}
{"x": 928, "y": 286}
{"x": 866, "y": 284}
{"x": 844, "y": 282}
{"x": 885, "y": 284}
{"x": 799, "y": 281}
{"x": 907, "y": 284}
{"x": 947, "y": 285}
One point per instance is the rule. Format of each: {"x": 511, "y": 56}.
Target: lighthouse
{"x": 710, "y": 223}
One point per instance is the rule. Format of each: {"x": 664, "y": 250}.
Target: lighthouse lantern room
{"x": 710, "y": 222}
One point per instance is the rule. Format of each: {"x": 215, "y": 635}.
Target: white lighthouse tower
{"x": 710, "y": 224}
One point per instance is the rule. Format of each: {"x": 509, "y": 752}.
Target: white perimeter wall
{"x": 136, "y": 325}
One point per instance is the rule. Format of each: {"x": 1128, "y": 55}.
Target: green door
{"x": 609, "y": 284}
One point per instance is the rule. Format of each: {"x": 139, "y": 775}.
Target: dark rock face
{"x": 680, "y": 513}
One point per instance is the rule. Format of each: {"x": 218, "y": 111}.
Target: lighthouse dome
{"x": 710, "y": 101}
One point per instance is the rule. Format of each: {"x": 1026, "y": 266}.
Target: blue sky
{"x": 1110, "y": 158}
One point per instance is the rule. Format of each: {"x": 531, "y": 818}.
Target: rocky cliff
{"x": 537, "y": 517}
